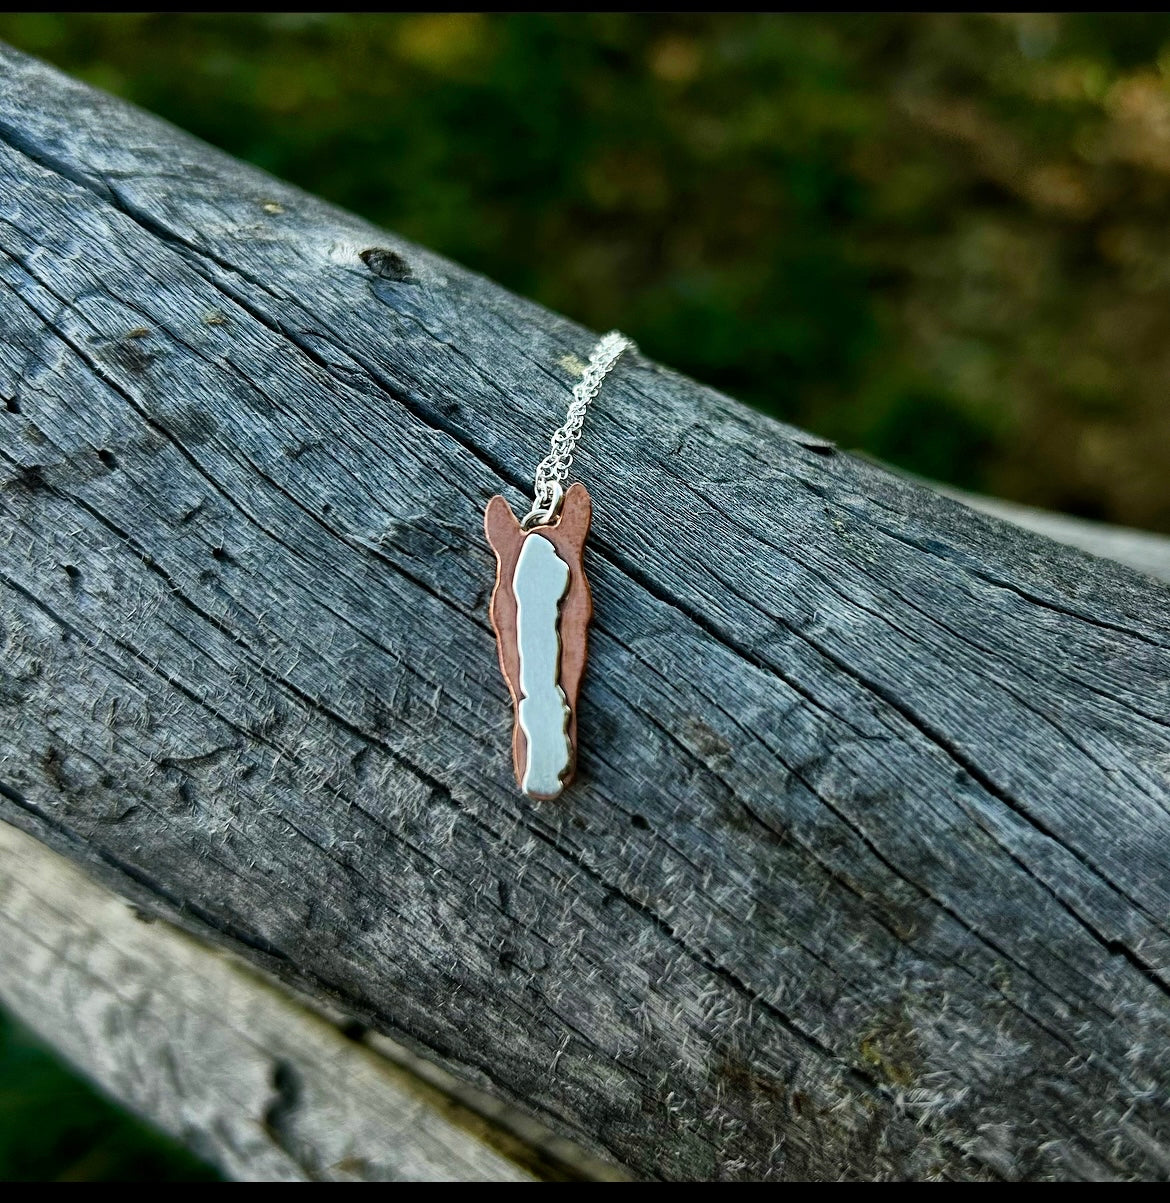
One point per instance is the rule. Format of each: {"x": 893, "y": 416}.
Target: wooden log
{"x": 865, "y": 871}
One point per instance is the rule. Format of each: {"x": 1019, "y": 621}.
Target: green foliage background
{"x": 939, "y": 238}
{"x": 56, "y": 1128}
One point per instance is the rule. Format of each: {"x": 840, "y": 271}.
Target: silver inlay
{"x": 540, "y": 581}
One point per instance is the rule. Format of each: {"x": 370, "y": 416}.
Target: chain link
{"x": 552, "y": 472}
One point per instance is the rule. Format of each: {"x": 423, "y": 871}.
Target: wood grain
{"x": 866, "y": 872}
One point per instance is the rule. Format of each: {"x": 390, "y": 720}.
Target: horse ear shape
{"x": 576, "y": 513}
{"x": 500, "y": 524}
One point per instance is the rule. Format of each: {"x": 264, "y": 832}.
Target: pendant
{"x": 540, "y": 611}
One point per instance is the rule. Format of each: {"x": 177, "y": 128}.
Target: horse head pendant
{"x": 540, "y": 611}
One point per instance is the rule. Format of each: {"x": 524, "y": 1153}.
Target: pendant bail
{"x": 545, "y": 512}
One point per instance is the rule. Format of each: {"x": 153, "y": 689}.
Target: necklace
{"x": 541, "y": 604}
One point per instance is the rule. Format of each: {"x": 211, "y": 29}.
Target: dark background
{"x": 943, "y": 240}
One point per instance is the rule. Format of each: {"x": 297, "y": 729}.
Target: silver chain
{"x": 553, "y": 471}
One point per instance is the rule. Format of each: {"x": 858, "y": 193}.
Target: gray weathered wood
{"x": 1143, "y": 550}
{"x": 866, "y": 870}
{"x": 188, "y": 1037}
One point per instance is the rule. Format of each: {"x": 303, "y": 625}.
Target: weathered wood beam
{"x": 205, "y": 1048}
{"x": 866, "y": 872}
